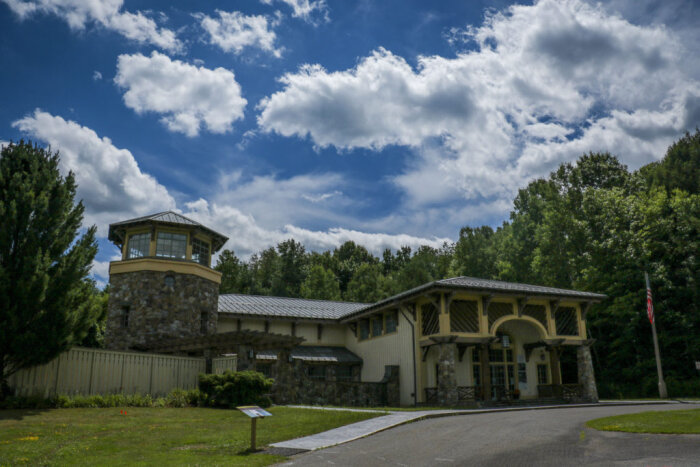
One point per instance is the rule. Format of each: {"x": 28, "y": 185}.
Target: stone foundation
{"x": 158, "y": 308}
{"x": 293, "y": 386}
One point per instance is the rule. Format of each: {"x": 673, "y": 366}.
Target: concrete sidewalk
{"x": 369, "y": 427}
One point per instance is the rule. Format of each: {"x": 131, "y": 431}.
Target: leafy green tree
{"x": 368, "y": 284}
{"x": 266, "y": 274}
{"x": 45, "y": 305}
{"x": 475, "y": 254}
{"x": 320, "y": 284}
{"x": 96, "y": 333}
{"x": 680, "y": 168}
{"x": 350, "y": 257}
{"x": 235, "y": 277}
{"x": 293, "y": 266}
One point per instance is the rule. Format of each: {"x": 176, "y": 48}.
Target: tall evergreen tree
{"x": 45, "y": 299}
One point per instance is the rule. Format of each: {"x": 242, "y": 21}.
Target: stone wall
{"x": 293, "y": 386}
{"x": 158, "y": 309}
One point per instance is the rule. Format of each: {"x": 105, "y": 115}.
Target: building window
{"x": 377, "y": 326}
{"x": 138, "y": 246}
{"x": 204, "y": 322}
{"x": 171, "y": 245}
{"x": 343, "y": 373}
{"x": 200, "y": 252}
{"x": 476, "y": 367}
{"x": 264, "y": 368}
{"x": 542, "y": 376}
{"x": 390, "y": 322}
{"x": 316, "y": 372}
{"x": 125, "y": 316}
{"x": 364, "y": 329}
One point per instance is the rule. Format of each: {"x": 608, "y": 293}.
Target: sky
{"x": 390, "y": 123}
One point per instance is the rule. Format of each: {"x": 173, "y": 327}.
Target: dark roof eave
{"x": 233, "y": 314}
{"x": 436, "y": 286}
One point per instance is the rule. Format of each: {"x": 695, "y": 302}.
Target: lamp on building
{"x": 290, "y": 359}
{"x": 505, "y": 341}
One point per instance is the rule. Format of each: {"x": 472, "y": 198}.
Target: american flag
{"x": 650, "y": 307}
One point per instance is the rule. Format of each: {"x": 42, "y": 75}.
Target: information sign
{"x": 254, "y": 412}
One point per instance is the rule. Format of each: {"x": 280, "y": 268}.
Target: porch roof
{"x": 480, "y": 286}
{"x": 225, "y": 342}
{"x": 315, "y": 354}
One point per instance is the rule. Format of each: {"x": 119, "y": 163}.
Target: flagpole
{"x": 652, "y": 319}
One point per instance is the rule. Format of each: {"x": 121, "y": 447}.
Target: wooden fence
{"x": 93, "y": 371}
{"x": 221, "y": 364}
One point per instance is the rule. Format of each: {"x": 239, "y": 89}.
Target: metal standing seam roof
{"x": 487, "y": 285}
{"x": 283, "y": 307}
{"x": 166, "y": 217}
{"x": 315, "y": 353}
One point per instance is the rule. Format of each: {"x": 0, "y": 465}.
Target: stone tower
{"x": 163, "y": 286}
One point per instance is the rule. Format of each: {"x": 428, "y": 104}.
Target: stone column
{"x": 284, "y": 390}
{"x": 447, "y": 381}
{"x": 586, "y": 376}
{"x": 485, "y": 371}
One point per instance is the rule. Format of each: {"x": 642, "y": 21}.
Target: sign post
{"x": 650, "y": 313}
{"x": 254, "y": 412}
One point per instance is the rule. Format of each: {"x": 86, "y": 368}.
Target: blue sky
{"x": 387, "y": 123}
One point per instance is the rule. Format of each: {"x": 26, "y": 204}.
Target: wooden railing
{"x": 468, "y": 393}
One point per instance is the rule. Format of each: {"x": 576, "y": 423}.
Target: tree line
{"x": 590, "y": 225}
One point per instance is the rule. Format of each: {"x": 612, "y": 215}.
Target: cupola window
{"x": 171, "y": 245}
{"x": 200, "y": 252}
{"x": 138, "y": 245}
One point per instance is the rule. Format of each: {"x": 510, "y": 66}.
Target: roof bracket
{"x": 485, "y": 302}
{"x": 425, "y": 351}
{"x": 554, "y": 306}
{"x": 584, "y": 309}
{"x": 522, "y": 302}
{"x": 448, "y": 300}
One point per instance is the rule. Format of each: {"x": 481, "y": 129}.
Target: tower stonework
{"x": 163, "y": 287}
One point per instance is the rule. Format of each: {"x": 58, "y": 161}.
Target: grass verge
{"x": 153, "y": 436}
{"x": 670, "y": 421}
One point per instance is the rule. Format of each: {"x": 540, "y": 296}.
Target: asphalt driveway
{"x": 553, "y": 437}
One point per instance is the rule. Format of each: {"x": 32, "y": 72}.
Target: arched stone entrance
{"x": 514, "y": 371}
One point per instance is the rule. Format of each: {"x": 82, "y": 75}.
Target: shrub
{"x": 176, "y": 398}
{"x": 232, "y": 389}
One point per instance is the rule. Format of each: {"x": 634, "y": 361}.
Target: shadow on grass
{"x": 20, "y": 414}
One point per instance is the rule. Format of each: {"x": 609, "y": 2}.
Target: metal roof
{"x": 116, "y": 230}
{"x": 282, "y": 307}
{"x": 485, "y": 286}
{"x": 315, "y": 353}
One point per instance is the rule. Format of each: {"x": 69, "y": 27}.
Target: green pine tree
{"x": 46, "y": 303}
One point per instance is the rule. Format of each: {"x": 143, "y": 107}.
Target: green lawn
{"x": 151, "y": 436}
{"x": 670, "y": 421}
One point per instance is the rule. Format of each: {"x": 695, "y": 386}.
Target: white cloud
{"x": 96, "y": 75}
{"x": 190, "y": 97}
{"x": 547, "y": 83}
{"x": 110, "y": 182}
{"x": 234, "y": 31}
{"x": 106, "y": 13}
{"x": 113, "y": 188}
{"x": 311, "y": 11}
{"x": 248, "y": 237}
